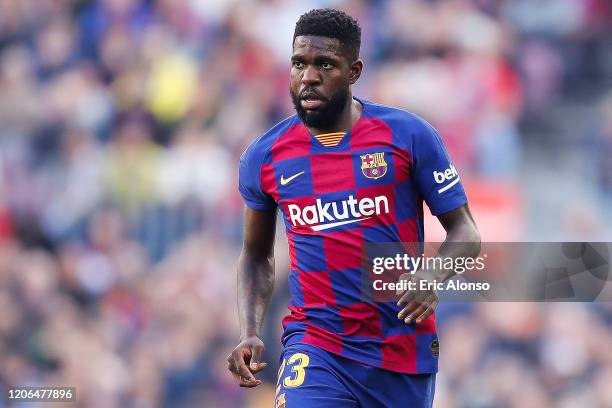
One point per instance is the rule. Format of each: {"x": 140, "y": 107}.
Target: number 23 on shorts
{"x": 298, "y": 362}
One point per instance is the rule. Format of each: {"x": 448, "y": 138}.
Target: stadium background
{"x": 121, "y": 124}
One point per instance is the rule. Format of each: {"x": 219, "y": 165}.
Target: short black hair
{"x": 331, "y": 23}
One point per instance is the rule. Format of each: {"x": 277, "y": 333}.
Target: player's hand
{"x": 245, "y": 361}
{"x": 419, "y": 304}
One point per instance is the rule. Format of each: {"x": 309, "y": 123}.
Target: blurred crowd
{"x": 121, "y": 124}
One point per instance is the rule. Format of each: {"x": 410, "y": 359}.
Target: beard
{"x": 324, "y": 117}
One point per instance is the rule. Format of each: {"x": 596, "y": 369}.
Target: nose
{"x": 310, "y": 75}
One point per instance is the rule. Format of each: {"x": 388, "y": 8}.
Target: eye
{"x": 326, "y": 65}
{"x": 298, "y": 65}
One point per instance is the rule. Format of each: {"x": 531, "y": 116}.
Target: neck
{"x": 349, "y": 116}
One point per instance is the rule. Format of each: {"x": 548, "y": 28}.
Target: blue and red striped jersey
{"x": 337, "y": 197}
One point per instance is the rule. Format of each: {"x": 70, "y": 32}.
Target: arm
{"x": 255, "y": 286}
{"x": 462, "y": 240}
{"x": 462, "y": 237}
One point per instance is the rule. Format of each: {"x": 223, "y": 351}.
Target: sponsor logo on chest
{"x": 324, "y": 215}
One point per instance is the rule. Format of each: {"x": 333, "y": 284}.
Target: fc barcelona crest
{"x": 373, "y": 165}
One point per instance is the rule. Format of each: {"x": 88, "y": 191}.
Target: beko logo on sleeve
{"x": 441, "y": 177}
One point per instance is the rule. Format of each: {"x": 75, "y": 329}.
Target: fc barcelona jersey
{"x": 336, "y": 194}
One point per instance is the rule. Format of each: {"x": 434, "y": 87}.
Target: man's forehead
{"x": 316, "y": 43}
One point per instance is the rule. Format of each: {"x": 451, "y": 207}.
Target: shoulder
{"x": 407, "y": 126}
{"x": 261, "y": 147}
{"x": 396, "y": 117}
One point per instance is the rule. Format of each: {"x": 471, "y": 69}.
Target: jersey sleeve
{"x": 249, "y": 181}
{"x": 436, "y": 178}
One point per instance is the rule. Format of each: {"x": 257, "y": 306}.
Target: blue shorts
{"x": 309, "y": 376}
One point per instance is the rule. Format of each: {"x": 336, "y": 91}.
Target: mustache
{"x": 311, "y": 93}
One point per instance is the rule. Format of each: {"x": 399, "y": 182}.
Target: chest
{"x": 325, "y": 190}
{"x": 332, "y": 173}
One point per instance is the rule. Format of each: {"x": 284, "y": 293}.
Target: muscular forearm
{"x": 255, "y": 286}
{"x": 463, "y": 241}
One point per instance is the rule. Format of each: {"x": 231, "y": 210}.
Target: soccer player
{"x": 344, "y": 172}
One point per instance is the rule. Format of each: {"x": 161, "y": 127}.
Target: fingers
{"x": 406, "y": 311}
{"x": 403, "y": 277}
{"x": 243, "y": 370}
{"x": 242, "y": 382}
{"x": 407, "y": 297}
{"x": 258, "y": 368}
{"x": 418, "y": 311}
{"x": 245, "y": 361}
{"x": 428, "y": 312}
{"x": 256, "y": 365}
{"x": 240, "y": 371}
{"x": 413, "y": 296}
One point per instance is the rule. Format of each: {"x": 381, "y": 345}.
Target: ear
{"x": 355, "y": 71}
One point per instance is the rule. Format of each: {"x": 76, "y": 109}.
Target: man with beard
{"x": 344, "y": 172}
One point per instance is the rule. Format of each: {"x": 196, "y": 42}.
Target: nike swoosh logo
{"x": 285, "y": 181}
{"x": 322, "y": 227}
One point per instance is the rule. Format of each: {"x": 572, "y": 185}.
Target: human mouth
{"x": 311, "y": 101}
{"x": 311, "y": 104}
